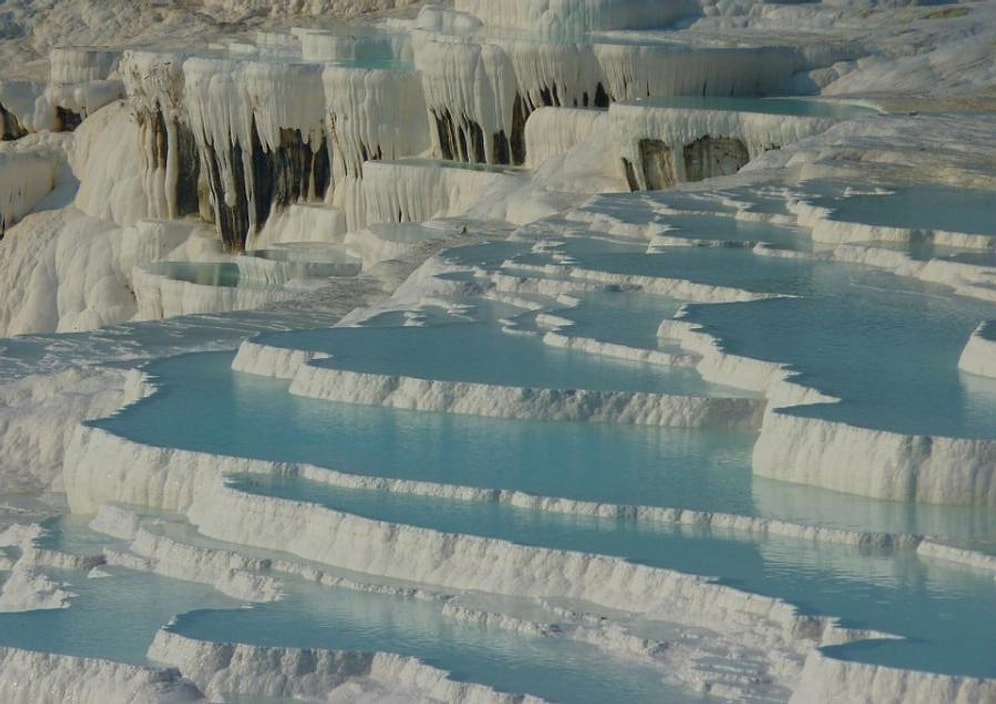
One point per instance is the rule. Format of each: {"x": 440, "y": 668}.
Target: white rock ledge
{"x": 103, "y": 468}
{"x": 660, "y": 285}
{"x": 316, "y": 674}
{"x": 979, "y": 355}
{"x": 971, "y": 280}
{"x": 276, "y": 362}
{"x": 494, "y": 401}
{"x": 229, "y": 572}
{"x": 618, "y": 351}
{"x": 837, "y": 456}
{"x": 876, "y": 463}
{"x": 162, "y": 297}
{"x": 491, "y": 400}
{"x": 828, "y": 681}
{"x": 972, "y": 558}
{"x": 87, "y": 681}
{"x": 122, "y": 522}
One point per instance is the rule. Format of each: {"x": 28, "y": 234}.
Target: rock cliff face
{"x": 290, "y": 117}
{"x": 275, "y": 178}
{"x": 657, "y": 164}
{"x": 714, "y": 156}
{"x": 173, "y": 142}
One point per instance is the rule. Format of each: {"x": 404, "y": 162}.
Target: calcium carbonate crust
{"x": 318, "y": 674}
{"x": 485, "y": 84}
{"x": 87, "y": 681}
{"x": 104, "y": 470}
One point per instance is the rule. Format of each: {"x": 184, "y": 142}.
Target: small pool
{"x": 801, "y": 107}
{"x": 707, "y": 227}
{"x": 846, "y": 324}
{"x": 223, "y": 274}
{"x": 920, "y": 207}
{"x": 479, "y": 352}
{"x": 113, "y": 617}
{"x": 559, "y": 669}
{"x": 628, "y": 319}
{"x": 892, "y": 356}
{"x": 207, "y": 407}
{"x": 298, "y": 260}
{"x": 268, "y": 268}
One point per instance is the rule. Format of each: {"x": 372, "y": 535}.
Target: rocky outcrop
{"x": 10, "y": 128}
{"x": 710, "y": 156}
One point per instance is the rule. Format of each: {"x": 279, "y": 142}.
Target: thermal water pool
{"x": 709, "y": 228}
{"x": 801, "y": 107}
{"x": 477, "y": 351}
{"x": 199, "y": 409}
{"x": 336, "y": 619}
{"x": 52, "y": 353}
{"x": 846, "y": 324}
{"x": 116, "y": 616}
{"x": 918, "y": 207}
{"x": 224, "y": 274}
{"x": 627, "y": 319}
{"x": 888, "y": 591}
{"x": 113, "y": 617}
{"x": 205, "y": 406}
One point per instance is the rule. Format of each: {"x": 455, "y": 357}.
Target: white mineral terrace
{"x": 494, "y": 351}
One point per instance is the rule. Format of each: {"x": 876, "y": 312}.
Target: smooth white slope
{"x": 108, "y": 164}
{"x": 64, "y": 263}
{"x": 38, "y": 415}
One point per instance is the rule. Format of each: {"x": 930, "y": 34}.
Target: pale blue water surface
{"x": 205, "y": 406}
{"x": 113, "y": 617}
{"x": 201, "y": 409}
{"x": 935, "y": 607}
{"x": 116, "y": 617}
{"x": 478, "y": 351}
{"x": 557, "y": 669}
{"x": 222, "y": 274}
{"x": 709, "y": 227}
{"x": 920, "y": 207}
{"x": 887, "y": 345}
